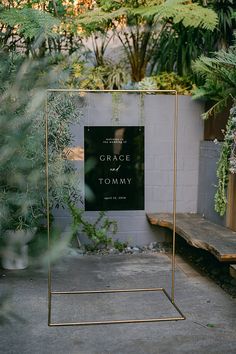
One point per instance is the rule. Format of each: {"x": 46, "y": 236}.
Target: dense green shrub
{"x": 168, "y": 81}
{"x": 106, "y": 76}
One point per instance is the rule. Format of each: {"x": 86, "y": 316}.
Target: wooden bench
{"x": 200, "y": 233}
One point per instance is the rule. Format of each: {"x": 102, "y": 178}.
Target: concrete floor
{"x": 210, "y": 326}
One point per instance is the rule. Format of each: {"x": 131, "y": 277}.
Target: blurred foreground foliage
{"x": 22, "y": 144}
{"x": 23, "y": 196}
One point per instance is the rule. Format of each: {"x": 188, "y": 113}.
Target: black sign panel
{"x": 114, "y": 168}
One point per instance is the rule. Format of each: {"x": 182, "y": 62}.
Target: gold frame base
{"x": 108, "y": 322}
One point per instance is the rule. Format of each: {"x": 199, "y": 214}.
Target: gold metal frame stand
{"x": 171, "y": 297}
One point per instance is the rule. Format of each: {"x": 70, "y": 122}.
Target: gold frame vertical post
{"x": 48, "y": 212}
{"x": 171, "y": 297}
{"x": 175, "y": 130}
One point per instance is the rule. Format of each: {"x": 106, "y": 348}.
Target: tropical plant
{"x": 139, "y": 25}
{"x": 219, "y": 74}
{"x": 223, "y": 34}
{"x": 178, "y": 48}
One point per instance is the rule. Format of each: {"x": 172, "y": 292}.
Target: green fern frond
{"x": 98, "y": 16}
{"x": 147, "y": 12}
{"x": 29, "y": 22}
{"x": 190, "y": 14}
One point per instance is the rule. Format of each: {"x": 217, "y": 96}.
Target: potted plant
{"x": 15, "y": 248}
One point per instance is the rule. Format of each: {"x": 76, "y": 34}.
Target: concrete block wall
{"x": 158, "y": 120}
{"x": 209, "y": 155}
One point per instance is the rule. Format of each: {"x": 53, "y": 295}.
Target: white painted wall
{"x": 158, "y": 117}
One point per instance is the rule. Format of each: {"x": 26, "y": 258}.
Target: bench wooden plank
{"x": 200, "y": 233}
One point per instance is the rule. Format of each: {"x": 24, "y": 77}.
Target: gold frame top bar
{"x": 108, "y": 90}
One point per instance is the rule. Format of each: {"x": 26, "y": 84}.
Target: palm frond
{"x": 219, "y": 73}
{"x": 216, "y": 108}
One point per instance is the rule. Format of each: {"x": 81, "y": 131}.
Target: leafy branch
{"x": 97, "y": 232}
{"x": 223, "y": 165}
